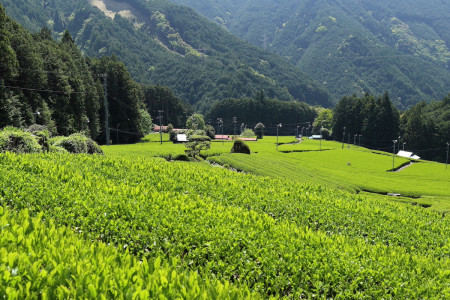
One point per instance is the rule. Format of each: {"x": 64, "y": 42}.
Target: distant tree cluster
{"x": 423, "y": 129}
{"x": 251, "y": 111}
{"x": 376, "y": 119}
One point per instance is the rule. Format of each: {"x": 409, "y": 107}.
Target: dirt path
{"x": 404, "y": 167}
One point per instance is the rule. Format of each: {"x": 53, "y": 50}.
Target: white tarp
{"x": 407, "y": 154}
{"x": 181, "y": 138}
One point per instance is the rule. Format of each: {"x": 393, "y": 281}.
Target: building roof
{"x": 222, "y": 137}
{"x": 407, "y": 154}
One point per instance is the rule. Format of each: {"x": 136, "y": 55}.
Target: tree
{"x": 8, "y": 60}
{"x": 324, "y": 119}
{"x": 195, "y": 122}
{"x": 174, "y": 110}
{"x": 196, "y": 144}
{"x": 418, "y": 129}
{"x": 259, "y": 130}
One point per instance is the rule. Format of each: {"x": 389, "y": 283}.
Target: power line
{"x": 38, "y": 90}
{"x": 34, "y": 70}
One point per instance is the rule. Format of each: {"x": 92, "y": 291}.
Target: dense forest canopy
{"x": 238, "y": 114}
{"x": 169, "y": 45}
{"x": 51, "y": 83}
{"x": 350, "y": 46}
{"x": 424, "y": 129}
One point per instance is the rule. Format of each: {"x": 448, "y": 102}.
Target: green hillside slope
{"x": 161, "y": 43}
{"x": 350, "y": 46}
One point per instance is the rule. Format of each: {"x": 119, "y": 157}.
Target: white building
{"x": 407, "y": 154}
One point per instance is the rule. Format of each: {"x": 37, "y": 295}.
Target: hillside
{"x": 125, "y": 224}
{"x": 161, "y": 43}
{"x": 350, "y": 46}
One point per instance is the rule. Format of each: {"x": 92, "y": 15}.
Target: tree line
{"x": 375, "y": 122}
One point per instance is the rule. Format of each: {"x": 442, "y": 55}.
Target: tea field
{"x": 132, "y": 225}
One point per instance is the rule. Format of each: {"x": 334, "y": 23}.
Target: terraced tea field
{"x": 128, "y": 225}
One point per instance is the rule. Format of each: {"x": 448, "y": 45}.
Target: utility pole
{"x": 234, "y": 124}
{"x": 223, "y": 140}
{"x": 360, "y": 135}
{"x": 320, "y": 146}
{"x": 354, "y": 141}
{"x": 278, "y": 127}
{"x": 343, "y": 138}
{"x": 160, "y": 117}
{"x": 117, "y": 132}
{"x": 35, "y": 114}
{"x": 393, "y": 155}
{"x": 348, "y": 141}
{"x": 219, "y": 120}
{"x": 446, "y": 161}
{"x": 105, "y": 85}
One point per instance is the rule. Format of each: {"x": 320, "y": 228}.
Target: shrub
{"x": 173, "y": 136}
{"x": 210, "y": 131}
{"x": 326, "y": 134}
{"x": 15, "y": 140}
{"x": 42, "y": 134}
{"x": 77, "y": 143}
{"x": 240, "y": 146}
{"x": 55, "y": 149}
{"x": 248, "y": 133}
{"x": 181, "y": 157}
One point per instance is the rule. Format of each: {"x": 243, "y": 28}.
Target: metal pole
{"x": 35, "y": 116}
{"x": 320, "y": 147}
{"x": 393, "y": 155}
{"x": 105, "y": 85}
{"x": 234, "y": 123}
{"x": 223, "y": 140}
{"x": 446, "y": 161}
{"x": 404, "y": 146}
{"x": 343, "y": 138}
{"x": 278, "y": 126}
{"x": 160, "y": 124}
{"x": 117, "y": 131}
{"x": 354, "y": 141}
{"x": 360, "y": 139}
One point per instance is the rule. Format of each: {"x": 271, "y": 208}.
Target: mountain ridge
{"x": 400, "y": 47}
{"x": 213, "y": 64}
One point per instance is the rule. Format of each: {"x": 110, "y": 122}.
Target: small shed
{"x": 407, "y": 154}
{"x": 182, "y": 138}
{"x": 315, "y": 137}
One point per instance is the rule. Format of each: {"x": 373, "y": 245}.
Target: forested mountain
{"x": 351, "y": 46}
{"x": 162, "y": 43}
{"x": 50, "y": 83}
